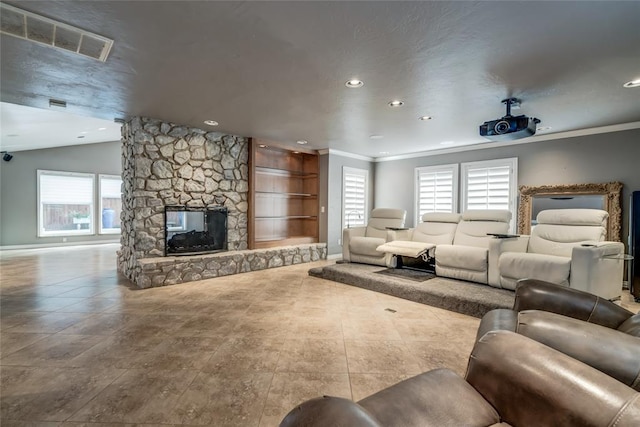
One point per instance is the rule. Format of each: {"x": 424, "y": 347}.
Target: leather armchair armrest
{"x": 531, "y": 384}
{"x": 347, "y": 234}
{"x": 534, "y": 294}
{"x": 608, "y": 350}
{"x": 499, "y": 246}
{"x": 329, "y": 411}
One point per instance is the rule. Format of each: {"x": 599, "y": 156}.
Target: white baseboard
{"x": 55, "y": 245}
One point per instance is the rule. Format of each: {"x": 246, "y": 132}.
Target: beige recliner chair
{"x": 566, "y": 247}
{"x": 436, "y": 228}
{"x": 467, "y": 257}
{"x": 359, "y": 243}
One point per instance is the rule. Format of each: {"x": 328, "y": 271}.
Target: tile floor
{"x": 80, "y": 347}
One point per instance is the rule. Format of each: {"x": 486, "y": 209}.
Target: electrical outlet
{"x": 321, "y": 209}
{"x": 340, "y": 241}
{"x": 64, "y": 240}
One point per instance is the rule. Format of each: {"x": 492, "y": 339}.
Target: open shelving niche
{"x": 283, "y": 207}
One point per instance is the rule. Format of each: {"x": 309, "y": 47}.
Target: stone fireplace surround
{"x": 164, "y": 164}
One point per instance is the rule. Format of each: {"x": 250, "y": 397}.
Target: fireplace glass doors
{"x": 191, "y": 231}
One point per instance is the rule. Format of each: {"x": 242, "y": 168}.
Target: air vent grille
{"x": 29, "y": 26}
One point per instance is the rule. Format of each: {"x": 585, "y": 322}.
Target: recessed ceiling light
{"x": 102, "y": 128}
{"x": 84, "y": 132}
{"x": 262, "y": 146}
{"x": 376, "y": 137}
{"x": 447, "y": 143}
{"x": 296, "y": 152}
{"x": 423, "y": 118}
{"x": 302, "y": 142}
{"x": 396, "y": 103}
{"x": 354, "y": 83}
{"x": 211, "y": 122}
{"x": 384, "y": 152}
{"x": 632, "y": 83}
{"x": 543, "y": 128}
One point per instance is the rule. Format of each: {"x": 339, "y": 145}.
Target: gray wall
{"x": 334, "y": 197}
{"x": 587, "y": 159}
{"x": 323, "y": 178}
{"x": 18, "y": 187}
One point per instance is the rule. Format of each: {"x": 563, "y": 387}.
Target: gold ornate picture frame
{"x": 612, "y": 203}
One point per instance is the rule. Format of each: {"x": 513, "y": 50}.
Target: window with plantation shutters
{"x": 490, "y": 185}
{"x": 436, "y": 189}
{"x": 354, "y": 196}
{"x": 65, "y": 203}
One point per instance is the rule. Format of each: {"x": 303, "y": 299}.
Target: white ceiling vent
{"x": 29, "y": 26}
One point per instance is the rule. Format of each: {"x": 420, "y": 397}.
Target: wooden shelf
{"x": 283, "y": 191}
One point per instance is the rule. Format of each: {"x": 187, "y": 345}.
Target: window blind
{"x": 66, "y": 189}
{"x": 354, "y": 190}
{"x": 110, "y": 187}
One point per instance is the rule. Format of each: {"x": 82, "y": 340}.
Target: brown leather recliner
{"x": 581, "y": 325}
{"x": 511, "y": 380}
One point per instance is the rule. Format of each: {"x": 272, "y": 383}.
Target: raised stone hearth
{"x": 164, "y": 164}
{"x": 173, "y": 270}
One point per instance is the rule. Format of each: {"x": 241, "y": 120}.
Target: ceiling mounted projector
{"x": 508, "y": 127}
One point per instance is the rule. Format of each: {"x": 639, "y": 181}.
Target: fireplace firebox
{"x": 192, "y": 231}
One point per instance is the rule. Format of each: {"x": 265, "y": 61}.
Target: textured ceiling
{"x": 276, "y": 70}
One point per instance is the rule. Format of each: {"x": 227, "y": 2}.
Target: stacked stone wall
{"x": 164, "y": 164}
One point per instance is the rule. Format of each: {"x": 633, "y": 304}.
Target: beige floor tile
{"x": 50, "y": 394}
{"x": 223, "y": 399}
{"x": 372, "y": 328}
{"x": 329, "y": 327}
{"x": 43, "y": 323}
{"x": 241, "y": 354}
{"x": 179, "y": 353}
{"x": 313, "y": 355}
{"x": 52, "y": 351}
{"x": 380, "y": 357}
{"x": 11, "y": 342}
{"x": 138, "y": 396}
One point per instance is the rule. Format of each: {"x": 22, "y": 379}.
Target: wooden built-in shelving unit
{"x": 283, "y": 193}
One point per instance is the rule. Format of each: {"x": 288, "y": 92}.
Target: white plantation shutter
{"x": 354, "y": 196}
{"x": 436, "y": 189}
{"x": 490, "y": 185}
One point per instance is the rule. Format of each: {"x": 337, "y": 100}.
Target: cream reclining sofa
{"x": 467, "y": 258}
{"x": 567, "y": 248}
{"x": 359, "y": 244}
{"x": 436, "y": 228}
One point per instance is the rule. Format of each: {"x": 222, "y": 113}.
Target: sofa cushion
{"x": 550, "y": 268}
{"x": 496, "y": 215}
{"x": 474, "y": 233}
{"x": 462, "y": 257}
{"x": 365, "y": 245}
{"x": 631, "y": 326}
{"x": 435, "y": 232}
{"x": 577, "y": 217}
{"x": 560, "y": 240}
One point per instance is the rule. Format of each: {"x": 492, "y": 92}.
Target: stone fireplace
{"x": 165, "y": 166}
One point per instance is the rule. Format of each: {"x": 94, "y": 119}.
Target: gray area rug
{"x": 406, "y": 273}
{"x": 468, "y": 298}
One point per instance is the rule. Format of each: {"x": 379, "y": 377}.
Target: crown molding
{"x": 540, "y": 138}
{"x": 345, "y": 154}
